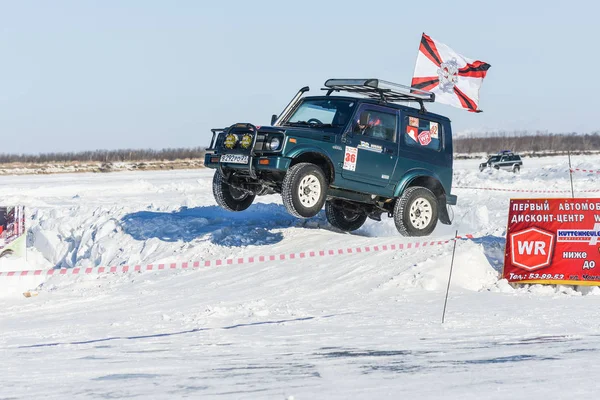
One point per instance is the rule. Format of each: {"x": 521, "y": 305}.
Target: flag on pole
{"x": 453, "y": 78}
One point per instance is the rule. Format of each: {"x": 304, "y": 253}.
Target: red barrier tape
{"x": 525, "y": 190}
{"x": 228, "y": 261}
{"x": 585, "y": 170}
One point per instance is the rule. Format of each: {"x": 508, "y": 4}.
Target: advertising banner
{"x": 553, "y": 241}
{"x": 13, "y": 240}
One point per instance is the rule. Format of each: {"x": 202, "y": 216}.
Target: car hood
{"x": 300, "y": 131}
{"x": 272, "y": 129}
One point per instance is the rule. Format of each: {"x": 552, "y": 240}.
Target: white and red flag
{"x": 453, "y": 78}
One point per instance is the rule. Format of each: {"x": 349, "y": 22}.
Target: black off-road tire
{"x": 6, "y": 253}
{"x": 229, "y": 197}
{"x": 343, "y": 219}
{"x": 411, "y": 223}
{"x": 298, "y": 202}
{"x": 516, "y": 169}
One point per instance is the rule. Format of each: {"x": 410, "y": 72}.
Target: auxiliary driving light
{"x": 246, "y": 141}
{"x": 230, "y": 140}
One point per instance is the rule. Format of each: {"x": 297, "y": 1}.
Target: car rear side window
{"x": 422, "y": 133}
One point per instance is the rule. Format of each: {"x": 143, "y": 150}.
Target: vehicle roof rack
{"x": 385, "y": 91}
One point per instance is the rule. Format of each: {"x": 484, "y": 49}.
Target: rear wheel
{"x": 304, "y": 190}
{"x": 228, "y": 197}
{"x": 416, "y": 212}
{"x": 343, "y": 219}
{"x": 516, "y": 169}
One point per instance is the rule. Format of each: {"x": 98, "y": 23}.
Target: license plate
{"x": 234, "y": 158}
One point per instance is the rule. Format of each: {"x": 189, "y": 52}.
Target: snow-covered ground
{"x": 351, "y": 326}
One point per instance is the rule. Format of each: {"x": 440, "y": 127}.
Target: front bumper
{"x": 257, "y": 163}
{"x": 244, "y": 157}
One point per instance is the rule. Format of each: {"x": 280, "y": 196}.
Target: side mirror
{"x": 273, "y": 119}
{"x": 346, "y": 135}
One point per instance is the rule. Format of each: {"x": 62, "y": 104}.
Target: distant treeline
{"x": 107, "y": 156}
{"x": 484, "y": 143}
{"x": 539, "y": 142}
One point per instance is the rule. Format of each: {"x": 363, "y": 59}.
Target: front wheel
{"x": 304, "y": 190}
{"x": 343, "y": 219}
{"x": 416, "y": 212}
{"x": 6, "y": 253}
{"x": 228, "y": 197}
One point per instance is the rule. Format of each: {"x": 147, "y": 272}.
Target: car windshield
{"x": 322, "y": 112}
{"x": 494, "y": 158}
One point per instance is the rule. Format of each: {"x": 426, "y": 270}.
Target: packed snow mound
{"x": 472, "y": 270}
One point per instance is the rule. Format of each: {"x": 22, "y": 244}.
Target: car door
{"x": 505, "y": 163}
{"x": 371, "y": 148}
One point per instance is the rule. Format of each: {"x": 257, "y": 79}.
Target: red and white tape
{"x": 591, "y": 171}
{"x": 230, "y": 261}
{"x": 525, "y": 190}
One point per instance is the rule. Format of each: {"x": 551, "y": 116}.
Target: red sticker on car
{"x": 412, "y": 132}
{"x": 433, "y": 129}
{"x": 424, "y": 138}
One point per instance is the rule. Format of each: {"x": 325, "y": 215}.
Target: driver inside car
{"x": 366, "y": 123}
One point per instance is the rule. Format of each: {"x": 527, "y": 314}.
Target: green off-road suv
{"x": 360, "y": 155}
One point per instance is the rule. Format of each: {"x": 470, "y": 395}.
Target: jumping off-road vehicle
{"x": 359, "y": 156}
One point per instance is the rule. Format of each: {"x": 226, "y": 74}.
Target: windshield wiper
{"x": 327, "y": 125}
{"x": 304, "y": 123}
{"x": 297, "y": 123}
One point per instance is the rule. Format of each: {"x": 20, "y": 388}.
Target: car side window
{"x": 422, "y": 133}
{"x": 376, "y": 124}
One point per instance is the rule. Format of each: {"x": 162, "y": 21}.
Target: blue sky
{"x": 85, "y": 75}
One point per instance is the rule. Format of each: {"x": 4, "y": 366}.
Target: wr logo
{"x": 531, "y": 248}
{"x": 536, "y": 248}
